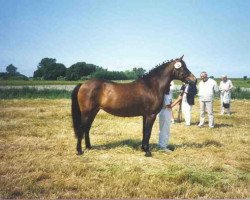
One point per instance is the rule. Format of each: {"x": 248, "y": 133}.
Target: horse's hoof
{"x": 89, "y": 147}
{"x": 79, "y": 153}
{"x": 148, "y": 154}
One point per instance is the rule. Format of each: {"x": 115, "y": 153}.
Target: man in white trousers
{"x": 207, "y": 87}
{"x": 164, "y": 123}
{"x": 225, "y": 88}
{"x": 188, "y": 94}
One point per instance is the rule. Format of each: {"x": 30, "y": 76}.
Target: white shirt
{"x": 207, "y": 89}
{"x": 225, "y": 85}
{"x": 172, "y": 87}
{"x": 167, "y": 100}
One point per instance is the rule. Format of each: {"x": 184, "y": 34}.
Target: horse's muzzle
{"x": 192, "y": 82}
{"x": 191, "y": 79}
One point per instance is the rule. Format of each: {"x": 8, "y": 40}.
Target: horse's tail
{"x": 75, "y": 111}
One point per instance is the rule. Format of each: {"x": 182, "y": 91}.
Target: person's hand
{"x": 169, "y": 106}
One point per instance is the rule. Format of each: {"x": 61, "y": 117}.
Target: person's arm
{"x": 176, "y": 101}
{"x": 220, "y": 87}
{"x": 230, "y": 85}
{"x": 216, "y": 89}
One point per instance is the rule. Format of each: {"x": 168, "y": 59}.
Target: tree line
{"x": 12, "y": 73}
{"x": 49, "y": 69}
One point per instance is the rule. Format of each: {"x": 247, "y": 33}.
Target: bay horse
{"x": 142, "y": 97}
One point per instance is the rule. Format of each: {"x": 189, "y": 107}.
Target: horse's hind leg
{"x": 87, "y": 122}
{"x": 79, "y": 134}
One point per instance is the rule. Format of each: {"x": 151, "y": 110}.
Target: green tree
{"x": 42, "y": 66}
{"x": 12, "y": 74}
{"x": 109, "y": 75}
{"x": 11, "y": 69}
{"x": 135, "y": 73}
{"x": 53, "y": 71}
{"x": 139, "y": 72}
{"x": 38, "y": 73}
{"x": 46, "y": 62}
{"x": 79, "y": 69}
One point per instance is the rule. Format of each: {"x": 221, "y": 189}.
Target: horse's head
{"x": 181, "y": 72}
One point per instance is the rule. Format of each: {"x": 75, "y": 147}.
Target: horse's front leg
{"x": 79, "y": 146}
{"x": 148, "y": 122}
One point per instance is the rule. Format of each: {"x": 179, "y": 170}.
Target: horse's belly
{"x": 124, "y": 112}
{"x": 125, "y": 105}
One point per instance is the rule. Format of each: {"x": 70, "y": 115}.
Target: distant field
{"x": 37, "y": 152}
{"x": 239, "y": 82}
{"x": 64, "y": 91}
{"x": 31, "y": 83}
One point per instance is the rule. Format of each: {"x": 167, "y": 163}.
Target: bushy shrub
{"x": 239, "y": 93}
{"x": 80, "y": 69}
{"x": 32, "y": 93}
{"x": 109, "y": 75}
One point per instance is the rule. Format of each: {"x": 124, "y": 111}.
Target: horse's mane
{"x": 157, "y": 69}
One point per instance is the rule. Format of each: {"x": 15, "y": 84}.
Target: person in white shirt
{"x": 225, "y": 88}
{"x": 207, "y": 87}
{"x": 164, "y": 123}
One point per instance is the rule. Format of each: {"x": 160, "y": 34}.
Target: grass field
{"x": 38, "y": 160}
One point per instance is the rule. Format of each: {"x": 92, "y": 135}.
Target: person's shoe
{"x": 165, "y": 149}
{"x": 168, "y": 150}
{"x": 211, "y": 127}
{"x": 200, "y": 125}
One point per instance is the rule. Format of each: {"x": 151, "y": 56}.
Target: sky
{"x": 213, "y": 35}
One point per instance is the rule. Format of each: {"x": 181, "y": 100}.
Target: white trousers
{"x": 206, "y": 105}
{"x": 164, "y": 126}
{"x": 186, "y": 110}
{"x": 223, "y": 110}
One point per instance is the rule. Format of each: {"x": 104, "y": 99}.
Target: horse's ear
{"x": 181, "y": 57}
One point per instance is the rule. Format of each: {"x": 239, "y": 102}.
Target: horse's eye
{"x": 177, "y": 65}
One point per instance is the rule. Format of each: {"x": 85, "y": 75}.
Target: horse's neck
{"x": 158, "y": 84}
{"x": 162, "y": 83}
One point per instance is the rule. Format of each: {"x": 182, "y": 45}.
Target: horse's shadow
{"x": 223, "y": 125}
{"x": 215, "y": 126}
{"x": 136, "y": 144}
{"x": 195, "y": 145}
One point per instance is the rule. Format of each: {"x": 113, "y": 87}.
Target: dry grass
{"x": 37, "y": 151}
